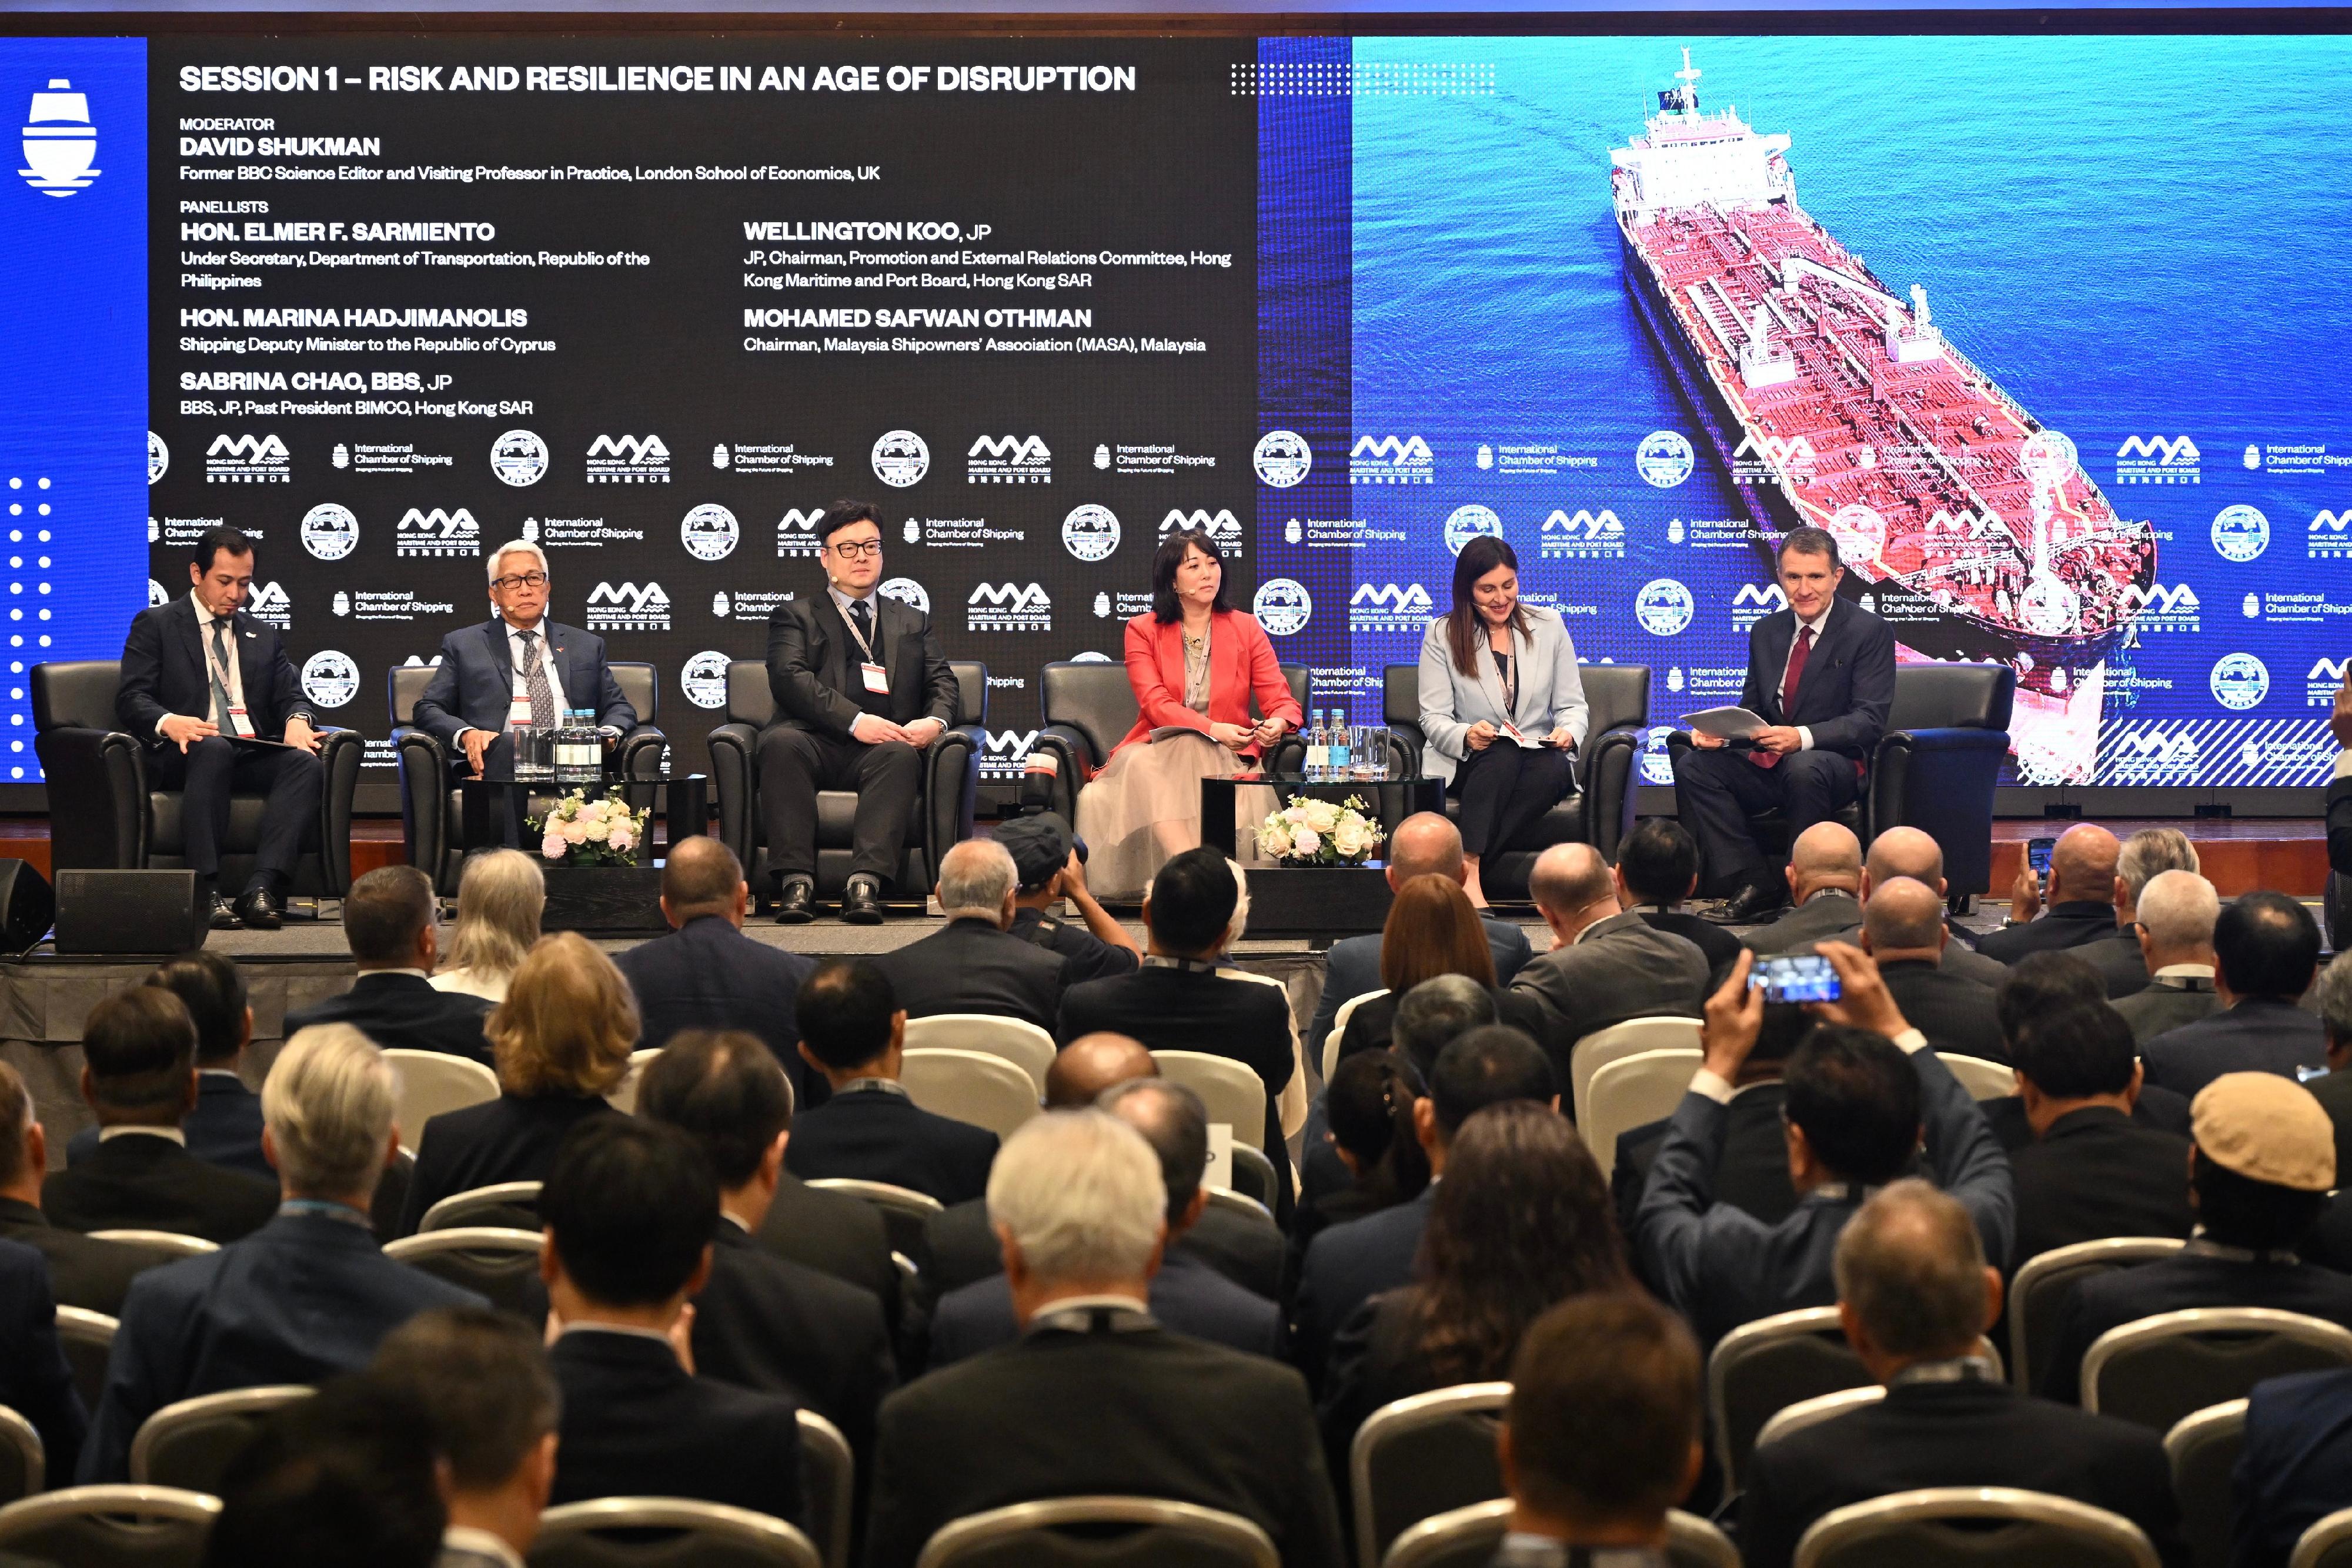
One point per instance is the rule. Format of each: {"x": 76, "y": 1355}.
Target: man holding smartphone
{"x": 2082, "y": 898}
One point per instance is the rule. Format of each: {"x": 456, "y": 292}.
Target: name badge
{"x": 239, "y": 723}
{"x": 877, "y": 679}
{"x": 518, "y": 710}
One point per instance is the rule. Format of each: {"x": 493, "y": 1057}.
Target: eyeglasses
{"x": 528, "y": 580}
{"x": 851, "y": 550}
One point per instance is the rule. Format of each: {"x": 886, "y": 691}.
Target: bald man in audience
{"x": 1825, "y": 890}
{"x": 1607, "y": 964}
{"x": 1913, "y": 853}
{"x": 2173, "y": 924}
{"x": 2081, "y": 898}
{"x": 1903, "y": 929}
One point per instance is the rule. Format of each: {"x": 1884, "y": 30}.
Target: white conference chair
{"x": 428, "y": 1082}
{"x": 24, "y": 1465}
{"x": 2032, "y": 1525}
{"x": 2202, "y": 1453}
{"x": 104, "y": 1525}
{"x": 88, "y": 1339}
{"x": 1632, "y": 1090}
{"x": 2159, "y": 1369}
{"x": 623, "y": 1097}
{"x": 1232, "y": 1093}
{"x": 170, "y": 1244}
{"x": 1791, "y": 1419}
{"x": 1983, "y": 1080}
{"x": 1189, "y": 1532}
{"x": 970, "y": 1086}
{"x": 1618, "y": 1042}
{"x": 573, "y": 1536}
{"x": 1340, "y": 1028}
{"x": 192, "y": 1443}
{"x": 488, "y": 1206}
{"x": 827, "y": 1478}
{"x": 1017, "y": 1041}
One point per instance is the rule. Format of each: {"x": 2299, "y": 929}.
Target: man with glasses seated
{"x": 861, "y": 689}
{"x": 517, "y": 663}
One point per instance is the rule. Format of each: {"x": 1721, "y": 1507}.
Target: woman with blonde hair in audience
{"x": 1433, "y": 929}
{"x": 562, "y": 1040}
{"x": 500, "y": 897}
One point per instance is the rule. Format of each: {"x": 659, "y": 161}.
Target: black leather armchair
{"x": 104, "y": 816}
{"x": 1935, "y": 769}
{"x": 1089, "y": 708}
{"x": 943, "y": 807}
{"x": 431, "y": 826}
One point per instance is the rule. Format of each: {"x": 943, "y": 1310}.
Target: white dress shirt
{"x": 1819, "y": 625}
{"x": 234, "y": 675}
{"x": 518, "y": 662}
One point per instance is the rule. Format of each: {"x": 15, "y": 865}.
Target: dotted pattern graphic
{"x": 30, "y": 504}
{"x": 1380, "y": 79}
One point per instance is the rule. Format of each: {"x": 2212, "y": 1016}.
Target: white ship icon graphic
{"x": 59, "y": 140}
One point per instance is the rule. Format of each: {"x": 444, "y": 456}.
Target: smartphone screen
{"x": 2037, "y": 856}
{"x": 1795, "y": 977}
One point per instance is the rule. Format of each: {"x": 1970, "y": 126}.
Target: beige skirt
{"x": 1145, "y": 806}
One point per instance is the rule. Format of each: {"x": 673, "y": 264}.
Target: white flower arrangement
{"x": 583, "y": 833}
{"x": 1319, "y": 832}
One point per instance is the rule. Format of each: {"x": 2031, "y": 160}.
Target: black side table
{"x": 686, "y": 806}
{"x": 1390, "y": 802}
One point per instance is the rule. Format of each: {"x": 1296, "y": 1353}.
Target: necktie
{"x": 534, "y": 683}
{"x": 1796, "y": 673}
{"x": 863, "y": 613}
{"x": 221, "y": 702}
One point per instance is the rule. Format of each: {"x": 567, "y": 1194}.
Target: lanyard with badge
{"x": 877, "y": 678}
{"x": 240, "y": 723}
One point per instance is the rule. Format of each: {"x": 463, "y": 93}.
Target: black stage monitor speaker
{"x": 143, "y": 912}
{"x": 27, "y": 906}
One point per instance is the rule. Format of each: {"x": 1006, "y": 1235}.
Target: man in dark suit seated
{"x": 1903, "y": 929}
{"x": 2334, "y": 1089}
{"x": 517, "y": 667}
{"x": 1900, "y": 852}
{"x": 1821, "y": 673}
{"x": 2266, "y": 947}
{"x": 862, "y": 690}
{"x": 390, "y": 920}
{"x": 1044, "y": 854}
{"x": 2042, "y": 985}
{"x": 1096, "y": 1397}
{"x": 139, "y": 1075}
{"x": 84, "y": 1272}
{"x": 1186, "y": 1295}
{"x": 36, "y": 1381}
{"x": 1607, "y": 964}
{"x": 853, "y": 1032}
{"x": 1857, "y": 1113}
{"x": 348, "y": 1476}
{"x": 2092, "y": 1172}
{"x": 974, "y": 964}
{"x": 483, "y": 1381}
{"x": 2145, "y": 855}
{"x": 2295, "y": 1467}
{"x": 1349, "y": 1264}
{"x": 1424, "y": 844}
{"x": 706, "y": 974}
{"x": 1824, "y": 892}
{"x": 2174, "y": 921}
{"x": 762, "y": 1321}
{"x": 307, "y": 1295}
{"x": 1657, "y": 870}
{"x": 630, "y": 1207}
{"x": 225, "y": 1127}
{"x": 2259, "y": 1176}
{"x": 1914, "y": 1293}
{"x": 198, "y": 673}
{"x": 2081, "y": 898}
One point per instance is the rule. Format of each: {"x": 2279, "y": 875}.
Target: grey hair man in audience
{"x": 483, "y": 1381}
{"x": 2145, "y": 855}
{"x": 2173, "y": 927}
{"x": 1915, "y": 1294}
{"x": 974, "y": 964}
{"x": 2334, "y": 1091}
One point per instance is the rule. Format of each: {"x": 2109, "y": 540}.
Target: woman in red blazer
{"x": 1195, "y": 662}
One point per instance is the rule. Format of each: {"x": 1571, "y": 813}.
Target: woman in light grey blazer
{"x": 1502, "y": 704}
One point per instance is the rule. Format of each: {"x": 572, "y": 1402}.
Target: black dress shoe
{"x": 257, "y": 908}
{"x": 1754, "y": 901}
{"x": 861, "y": 903}
{"x": 224, "y": 914}
{"x": 796, "y": 905}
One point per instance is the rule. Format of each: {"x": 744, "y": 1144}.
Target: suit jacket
{"x": 1129, "y": 1410}
{"x": 510, "y": 1138}
{"x": 875, "y": 1134}
{"x": 1827, "y": 914}
{"x": 1347, "y": 1266}
{"x": 1751, "y": 1175}
{"x": 1085, "y": 956}
{"x": 1959, "y": 959}
{"x": 1978, "y": 1432}
{"x": 165, "y": 672}
{"x": 1618, "y": 968}
{"x": 1849, "y": 684}
{"x": 2160, "y": 1109}
{"x": 2339, "y": 826}
{"x": 2261, "y": 1034}
{"x": 813, "y": 662}
{"x": 2097, "y": 1174}
{"x": 971, "y": 966}
{"x": 709, "y": 975}
{"x": 1372, "y": 1025}
{"x": 1551, "y": 690}
{"x": 636, "y": 1424}
{"x": 403, "y": 1012}
{"x": 2295, "y": 1466}
{"x": 2166, "y": 1004}
{"x": 1352, "y": 967}
{"x": 224, "y": 1128}
{"x": 36, "y": 1381}
{"x": 1957, "y": 1015}
{"x": 2201, "y": 1276}
{"x": 137, "y": 1183}
{"x": 1717, "y": 942}
{"x": 1191, "y": 1009}
{"x": 1242, "y": 665}
{"x": 963, "y": 1250}
{"x": 83, "y": 1270}
{"x": 475, "y": 685}
{"x": 2077, "y": 923}
{"x": 1188, "y": 1297}
{"x": 2120, "y": 963}
{"x": 833, "y": 1233}
{"x": 305, "y": 1296}
{"x": 2334, "y": 1093}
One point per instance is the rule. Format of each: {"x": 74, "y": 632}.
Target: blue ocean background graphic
{"x": 2126, "y": 234}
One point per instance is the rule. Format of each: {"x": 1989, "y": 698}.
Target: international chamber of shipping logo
{"x": 1009, "y": 607}
{"x": 159, "y": 457}
{"x": 2159, "y": 460}
{"x": 519, "y": 458}
{"x": 628, "y": 607}
{"x": 1090, "y": 532}
{"x": 1282, "y": 606}
{"x": 2240, "y": 681}
{"x": 1467, "y": 523}
{"x": 901, "y": 458}
{"x": 1664, "y": 607}
{"x": 709, "y": 532}
{"x": 438, "y": 533}
{"x": 2241, "y": 533}
{"x": 1391, "y": 460}
{"x": 2329, "y": 537}
{"x": 703, "y": 678}
{"x": 907, "y": 591}
{"x": 247, "y": 459}
{"x": 1583, "y": 535}
{"x": 157, "y": 595}
{"x": 1009, "y": 460}
{"x": 628, "y": 460}
{"x": 1282, "y": 458}
{"x": 331, "y": 678}
{"x": 1664, "y": 458}
{"x": 1388, "y": 607}
{"x": 329, "y": 531}
{"x": 60, "y": 143}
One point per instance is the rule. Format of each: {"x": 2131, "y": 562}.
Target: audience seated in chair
{"x": 2264, "y": 1163}
{"x": 1857, "y": 1113}
{"x": 630, "y": 1207}
{"x": 391, "y": 919}
{"x": 1824, "y": 877}
{"x": 1187, "y": 1295}
{"x": 561, "y": 1042}
{"x": 139, "y": 1075}
{"x": 2334, "y": 1090}
{"x": 307, "y": 1294}
{"x": 500, "y": 896}
{"x": 483, "y": 1381}
{"x": 1044, "y": 853}
{"x": 1607, "y": 964}
{"x": 1368, "y": 1109}
{"x": 349, "y": 1477}
{"x": 1657, "y": 870}
{"x": 1903, "y": 930}
{"x": 1609, "y": 1362}
{"x": 2176, "y": 914}
{"x": 2092, "y": 1172}
{"x": 84, "y": 1272}
{"x": 2267, "y": 949}
{"x": 1910, "y": 852}
{"x": 1432, "y": 930}
{"x": 2145, "y": 856}
{"x": 706, "y": 974}
{"x": 853, "y": 1031}
{"x": 762, "y": 1321}
{"x": 1915, "y": 1293}
{"x": 974, "y": 963}
{"x": 2081, "y": 898}
{"x": 224, "y": 1126}
{"x": 36, "y": 1381}
{"x": 1096, "y": 1397}
{"x": 1423, "y": 1021}
{"x": 2295, "y": 1466}
{"x": 2037, "y": 986}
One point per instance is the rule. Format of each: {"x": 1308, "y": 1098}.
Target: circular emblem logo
{"x": 1664, "y": 607}
{"x": 329, "y": 531}
{"x": 2047, "y": 456}
{"x": 518, "y": 457}
{"x": 2241, "y": 533}
{"x": 1860, "y": 532}
{"x": 1467, "y": 523}
{"x": 1090, "y": 657}
{"x": 1657, "y": 761}
{"x": 330, "y": 679}
{"x": 1282, "y": 458}
{"x": 1282, "y": 606}
{"x": 1090, "y": 532}
{"x": 1664, "y": 458}
{"x": 901, "y": 458}
{"x": 2239, "y": 681}
{"x": 159, "y": 457}
{"x": 907, "y": 591}
{"x": 704, "y": 677}
{"x": 156, "y": 595}
{"x": 709, "y": 532}
{"x": 2049, "y": 607}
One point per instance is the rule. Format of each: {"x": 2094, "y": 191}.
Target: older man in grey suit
{"x": 2176, "y": 914}
{"x": 1607, "y": 964}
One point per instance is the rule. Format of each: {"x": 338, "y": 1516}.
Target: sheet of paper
{"x": 1725, "y": 723}
{"x": 1221, "y": 1155}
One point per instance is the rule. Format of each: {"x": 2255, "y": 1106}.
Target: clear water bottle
{"x": 1338, "y": 760}
{"x": 1318, "y": 753}
{"x": 578, "y": 750}
{"x": 530, "y": 747}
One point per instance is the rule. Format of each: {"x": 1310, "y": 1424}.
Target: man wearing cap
{"x": 1045, "y": 856}
{"x": 974, "y": 964}
{"x": 2262, "y": 1164}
